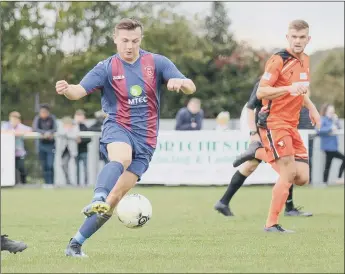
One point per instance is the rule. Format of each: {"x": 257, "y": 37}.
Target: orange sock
{"x": 280, "y": 192}
{"x": 260, "y": 154}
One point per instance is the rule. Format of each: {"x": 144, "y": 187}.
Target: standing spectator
{"x": 222, "y": 120}
{"x": 69, "y": 138}
{"x": 190, "y": 117}
{"x": 305, "y": 123}
{"x": 97, "y": 127}
{"x": 45, "y": 124}
{"x": 15, "y": 126}
{"x": 329, "y": 140}
{"x": 79, "y": 118}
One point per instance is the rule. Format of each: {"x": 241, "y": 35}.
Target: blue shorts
{"x": 142, "y": 152}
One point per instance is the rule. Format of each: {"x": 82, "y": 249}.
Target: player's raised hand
{"x": 61, "y": 87}
{"x": 175, "y": 84}
{"x": 296, "y": 90}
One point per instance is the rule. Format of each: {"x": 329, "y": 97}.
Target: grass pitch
{"x": 184, "y": 235}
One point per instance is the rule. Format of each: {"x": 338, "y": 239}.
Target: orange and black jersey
{"x": 284, "y": 69}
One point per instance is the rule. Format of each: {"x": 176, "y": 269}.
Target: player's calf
{"x": 126, "y": 182}
{"x": 120, "y": 156}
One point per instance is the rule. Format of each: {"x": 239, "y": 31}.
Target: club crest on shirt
{"x": 281, "y": 143}
{"x": 303, "y": 76}
{"x": 149, "y": 71}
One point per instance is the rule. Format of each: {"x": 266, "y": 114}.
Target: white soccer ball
{"x": 134, "y": 210}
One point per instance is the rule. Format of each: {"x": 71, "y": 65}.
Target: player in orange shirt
{"x": 284, "y": 90}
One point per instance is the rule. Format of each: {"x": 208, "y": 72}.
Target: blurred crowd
{"x": 75, "y": 148}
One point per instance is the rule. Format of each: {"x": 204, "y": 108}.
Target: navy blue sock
{"x": 107, "y": 179}
{"x": 89, "y": 227}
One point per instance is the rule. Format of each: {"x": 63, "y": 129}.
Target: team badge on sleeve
{"x": 267, "y": 76}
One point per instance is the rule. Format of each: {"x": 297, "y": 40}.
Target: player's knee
{"x": 302, "y": 180}
{"x": 124, "y": 159}
{"x": 120, "y": 152}
{"x": 292, "y": 176}
{"x": 288, "y": 168}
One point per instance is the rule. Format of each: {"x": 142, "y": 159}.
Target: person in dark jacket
{"x": 190, "y": 117}
{"x": 45, "y": 124}
{"x": 329, "y": 140}
{"x": 97, "y": 127}
{"x": 79, "y": 118}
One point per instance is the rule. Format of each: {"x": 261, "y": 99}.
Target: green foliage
{"x": 328, "y": 85}
{"x": 202, "y": 48}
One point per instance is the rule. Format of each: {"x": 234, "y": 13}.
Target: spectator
{"x": 69, "y": 138}
{"x": 222, "y": 120}
{"x": 97, "y": 127}
{"x": 15, "y": 126}
{"x": 329, "y": 140}
{"x": 79, "y": 118}
{"x": 45, "y": 124}
{"x": 190, "y": 117}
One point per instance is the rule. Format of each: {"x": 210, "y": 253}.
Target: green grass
{"x": 184, "y": 235}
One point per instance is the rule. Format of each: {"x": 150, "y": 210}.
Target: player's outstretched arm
{"x": 271, "y": 93}
{"x": 267, "y": 89}
{"x": 185, "y": 85}
{"x": 176, "y": 81}
{"x": 71, "y": 92}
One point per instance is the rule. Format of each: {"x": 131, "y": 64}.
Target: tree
{"x": 328, "y": 81}
{"x": 226, "y": 75}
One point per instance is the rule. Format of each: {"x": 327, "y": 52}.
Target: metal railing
{"x": 95, "y": 163}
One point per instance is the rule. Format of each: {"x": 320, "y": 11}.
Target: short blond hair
{"x": 298, "y": 25}
{"x": 80, "y": 112}
{"x": 67, "y": 120}
{"x": 223, "y": 115}
{"x": 15, "y": 114}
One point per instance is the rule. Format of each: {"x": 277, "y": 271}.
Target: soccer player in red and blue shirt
{"x": 130, "y": 84}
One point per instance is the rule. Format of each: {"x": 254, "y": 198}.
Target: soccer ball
{"x": 134, "y": 210}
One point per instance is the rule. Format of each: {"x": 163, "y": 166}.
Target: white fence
{"x": 181, "y": 158}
